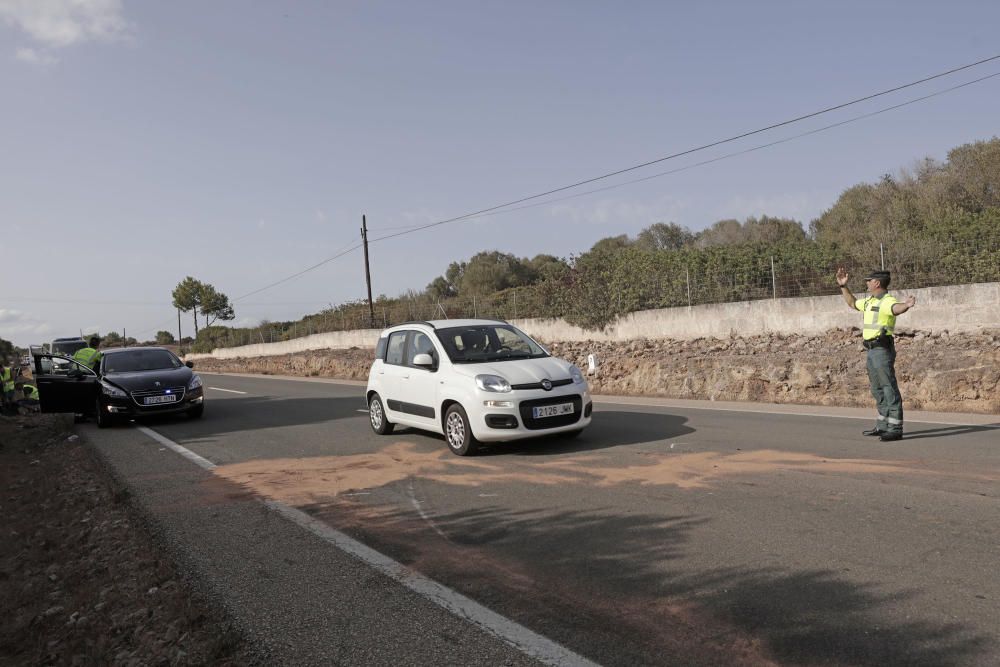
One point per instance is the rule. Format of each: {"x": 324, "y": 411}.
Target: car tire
{"x": 458, "y": 433}
{"x": 377, "y": 417}
{"x": 197, "y": 411}
{"x": 104, "y": 420}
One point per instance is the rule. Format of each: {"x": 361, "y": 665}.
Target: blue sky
{"x": 240, "y": 142}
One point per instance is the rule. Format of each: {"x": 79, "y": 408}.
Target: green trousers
{"x": 882, "y": 376}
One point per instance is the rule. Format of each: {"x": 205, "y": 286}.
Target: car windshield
{"x": 68, "y": 348}
{"x": 487, "y": 342}
{"x": 140, "y": 360}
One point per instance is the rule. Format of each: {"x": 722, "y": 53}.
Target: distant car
{"x": 129, "y": 383}
{"x": 65, "y": 347}
{"x": 473, "y": 381}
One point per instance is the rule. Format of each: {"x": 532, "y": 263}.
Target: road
{"x": 669, "y": 533}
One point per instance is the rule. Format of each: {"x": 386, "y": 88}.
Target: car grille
{"x": 551, "y": 422}
{"x": 538, "y": 385}
{"x": 138, "y": 396}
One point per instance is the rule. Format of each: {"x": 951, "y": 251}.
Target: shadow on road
{"x": 945, "y": 431}
{"x": 608, "y": 429}
{"x": 259, "y": 412}
{"x": 609, "y": 587}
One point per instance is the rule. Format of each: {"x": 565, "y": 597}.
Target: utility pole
{"x": 180, "y": 348}
{"x": 368, "y": 275}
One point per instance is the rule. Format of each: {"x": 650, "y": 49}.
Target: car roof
{"x": 63, "y": 340}
{"x": 445, "y": 324}
{"x": 115, "y": 350}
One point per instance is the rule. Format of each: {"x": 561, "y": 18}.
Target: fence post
{"x": 687, "y": 274}
{"x": 774, "y": 281}
{"x": 515, "y": 303}
{"x": 475, "y": 307}
{"x": 881, "y": 250}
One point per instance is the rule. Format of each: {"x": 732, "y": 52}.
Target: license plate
{"x": 153, "y": 400}
{"x": 552, "y": 410}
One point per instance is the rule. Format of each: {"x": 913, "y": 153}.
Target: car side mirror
{"x": 189, "y": 364}
{"x": 423, "y": 359}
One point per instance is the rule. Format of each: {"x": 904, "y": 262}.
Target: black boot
{"x": 873, "y": 431}
{"x": 889, "y": 436}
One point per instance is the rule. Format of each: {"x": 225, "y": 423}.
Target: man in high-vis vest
{"x": 29, "y": 398}
{"x": 89, "y": 356}
{"x": 7, "y": 376}
{"x": 880, "y": 310}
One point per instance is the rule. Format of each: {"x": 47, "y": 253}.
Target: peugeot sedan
{"x": 128, "y": 383}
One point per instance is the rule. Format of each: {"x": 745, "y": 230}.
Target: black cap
{"x": 878, "y": 274}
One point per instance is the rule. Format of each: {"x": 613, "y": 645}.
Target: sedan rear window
{"x": 140, "y": 360}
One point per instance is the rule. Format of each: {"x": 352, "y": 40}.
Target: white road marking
{"x": 530, "y": 643}
{"x": 231, "y": 391}
{"x": 361, "y": 410}
{"x": 423, "y": 515}
{"x": 199, "y": 461}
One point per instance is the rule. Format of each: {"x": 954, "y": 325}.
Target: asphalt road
{"x": 668, "y": 533}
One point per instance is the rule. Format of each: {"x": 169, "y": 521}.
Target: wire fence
{"x": 594, "y": 297}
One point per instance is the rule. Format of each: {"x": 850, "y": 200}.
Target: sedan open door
{"x": 64, "y": 385}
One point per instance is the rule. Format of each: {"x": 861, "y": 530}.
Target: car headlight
{"x": 576, "y": 374}
{"x": 492, "y": 383}
{"x": 111, "y": 390}
{"x": 195, "y": 382}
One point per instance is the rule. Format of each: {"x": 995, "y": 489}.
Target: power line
{"x": 691, "y": 150}
{"x": 728, "y": 155}
{"x": 299, "y": 273}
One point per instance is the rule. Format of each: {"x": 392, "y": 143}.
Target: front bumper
{"x": 496, "y": 422}
{"x": 132, "y": 407}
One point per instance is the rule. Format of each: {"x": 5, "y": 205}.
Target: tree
{"x": 187, "y": 297}
{"x": 194, "y": 295}
{"x": 164, "y": 338}
{"x": 664, "y": 236}
{"x": 440, "y": 288}
{"x": 111, "y": 339}
{"x": 215, "y": 305}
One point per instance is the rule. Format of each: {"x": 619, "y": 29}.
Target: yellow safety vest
{"x": 878, "y": 315}
{"x": 8, "y": 380}
{"x": 33, "y": 393}
{"x": 87, "y": 356}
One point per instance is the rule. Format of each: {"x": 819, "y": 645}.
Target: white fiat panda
{"x": 473, "y": 381}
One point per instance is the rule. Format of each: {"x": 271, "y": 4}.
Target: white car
{"x": 473, "y": 381}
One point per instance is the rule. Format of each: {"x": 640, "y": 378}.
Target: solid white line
{"x": 183, "y": 451}
{"x": 231, "y": 391}
{"x": 530, "y": 643}
{"x": 360, "y": 410}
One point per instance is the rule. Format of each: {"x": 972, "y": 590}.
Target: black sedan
{"x": 128, "y": 383}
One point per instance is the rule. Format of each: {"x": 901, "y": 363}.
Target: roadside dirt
{"x": 82, "y": 580}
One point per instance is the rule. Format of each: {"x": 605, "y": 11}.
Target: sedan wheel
{"x": 458, "y": 433}
{"x": 376, "y": 414}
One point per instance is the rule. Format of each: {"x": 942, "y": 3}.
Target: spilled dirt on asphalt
{"x": 302, "y": 481}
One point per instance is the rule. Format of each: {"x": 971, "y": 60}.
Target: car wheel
{"x": 104, "y": 419}
{"x": 376, "y": 414}
{"x": 458, "y": 433}
{"x": 197, "y": 411}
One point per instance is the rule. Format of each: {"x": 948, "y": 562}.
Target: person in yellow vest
{"x": 7, "y": 375}
{"x": 880, "y": 310}
{"x": 29, "y": 397}
{"x": 89, "y": 356}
